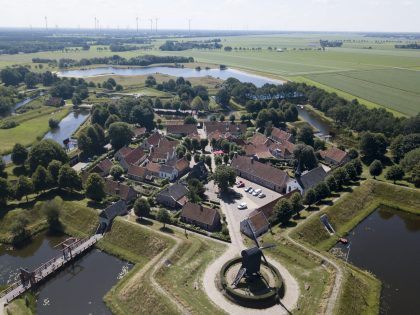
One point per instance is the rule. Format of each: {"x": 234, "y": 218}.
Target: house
{"x": 206, "y": 218}
{"x": 117, "y": 189}
{"x": 103, "y": 167}
{"x": 55, "y": 101}
{"x": 136, "y": 157}
{"x": 121, "y": 153}
{"x": 108, "y": 214}
{"x": 263, "y": 148}
{"x": 262, "y": 174}
{"x": 310, "y": 178}
{"x": 199, "y": 171}
{"x": 182, "y": 167}
{"x": 168, "y": 172}
{"x": 182, "y": 130}
{"x": 259, "y": 220}
{"x": 257, "y": 224}
{"x": 282, "y": 150}
{"x": 236, "y": 130}
{"x": 139, "y": 132}
{"x": 258, "y": 139}
{"x": 335, "y": 156}
{"x": 152, "y": 140}
{"x": 163, "y": 153}
{"x": 260, "y": 151}
{"x": 173, "y": 196}
{"x": 136, "y": 173}
{"x": 280, "y": 135}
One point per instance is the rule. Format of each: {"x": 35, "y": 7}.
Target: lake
{"x": 77, "y": 289}
{"x": 172, "y": 71}
{"x": 387, "y": 244}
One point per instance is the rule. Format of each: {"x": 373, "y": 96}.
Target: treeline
{"x": 408, "y": 46}
{"x": 44, "y": 60}
{"x": 329, "y": 43}
{"x": 119, "y": 47}
{"x": 145, "y": 60}
{"x": 171, "y": 45}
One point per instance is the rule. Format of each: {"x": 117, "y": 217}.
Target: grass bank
{"x": 353, "y": 208}
{"x": 33, "y": 125}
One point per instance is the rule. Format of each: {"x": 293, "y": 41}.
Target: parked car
{"x": 256, "y": 192}
{"x": 240, "y": 185}
{"x": 251, "y": 190}
{"x": 247, "y": 189}
{"x": 242, "y": 206}
{"x": 261, "y": 195}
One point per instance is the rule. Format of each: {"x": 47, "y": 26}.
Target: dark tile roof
{"x": 334, "y": 154}
{"x": 118, "y": 189}
{"x": 187, "y": 129}
{"x": 199, "y": 213}
{"x": 223, "y": 127}
{"x": 105, "y": 165}
{"x": 124, "y": 151}
{"x": 176, "y": 191}
{"x": 313, "y": 177}
{"x": 268, "y": 208}
{"x": 258, "y": 221}
{"x": 154, "y": 139}
{"x": 258, "y": 139}
{"x": 199, "y": 171}
{"x": 117, "y": 208}
{"x": 260, "y": 170}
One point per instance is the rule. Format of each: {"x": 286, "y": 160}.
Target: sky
{"x": 276, "y": 15}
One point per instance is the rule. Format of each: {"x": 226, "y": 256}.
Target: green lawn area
{"x": 352, "y": 208}
{"x": 33, "y": 125}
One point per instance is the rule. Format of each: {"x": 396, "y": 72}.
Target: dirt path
{"x": 212, "y": 272}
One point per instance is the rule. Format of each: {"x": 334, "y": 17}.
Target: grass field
{"x": 351, "y": 209}
{"x": 33, "y": 125}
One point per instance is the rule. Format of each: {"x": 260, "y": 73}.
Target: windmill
{"x": 251, "y": 261}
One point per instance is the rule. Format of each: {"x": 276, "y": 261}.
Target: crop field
{"x": 397, "y": 89}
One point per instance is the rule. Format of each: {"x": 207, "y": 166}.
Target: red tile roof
{"x": 153, "y": 167}
{"x": 138, "y": 132}
{"x": 279, "y": 134}
{"x": 135, "y": 156}
{"x": 124, "y": 151}
{"x": 123, "y": 191}
{"x": 154, "y": 139}
{"x": 182, "y": 164}
{"x": 137, "y": 171}
{"x": 105, "y": 165}
{"x": 334, "y": 154}
{"x": 258, "y": 139}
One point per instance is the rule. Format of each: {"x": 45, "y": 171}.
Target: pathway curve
{"x": 211, "y": 274}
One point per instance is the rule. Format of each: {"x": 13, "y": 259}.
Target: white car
{"x": 261, "y": 195}
{"x": 256, "y": 192}
{"x": 247, "y": 189}
{"x": 251, "y": 190}
{"x": 242, "y": 206}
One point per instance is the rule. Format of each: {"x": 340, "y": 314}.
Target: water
{"x": 26, "y": 101}
{"x": 314, "y": 121}
{"x": 387, "y": 244}
{"x": 68, "y": 125}
{"x": 77, "y": 289}
{"x": 176, "y": 72}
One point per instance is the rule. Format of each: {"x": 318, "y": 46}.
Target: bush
{"x": 8, "y": 124}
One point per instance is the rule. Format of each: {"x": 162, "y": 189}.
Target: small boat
{"x": 343, "y": 240}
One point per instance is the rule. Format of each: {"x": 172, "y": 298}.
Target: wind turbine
{"x": 151, "y": 25}
{"x": 156, "y": 20}
{"x": 137, "y": 23}
{"x": 46, "y": 23}
{"x": 189, "y": 26}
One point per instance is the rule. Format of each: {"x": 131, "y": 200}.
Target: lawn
{"x": 33, "y": 125}
{"x": 352, "y": 208}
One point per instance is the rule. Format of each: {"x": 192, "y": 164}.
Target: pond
{"x": 176, "y": 72}
{"x": 387, "y": 244}
{"x": 77, "y": 289}
{"x": 322, "y": 127}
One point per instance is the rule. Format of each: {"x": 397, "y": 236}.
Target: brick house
{"x": 173, "y": 196}
{"x": 182, "y": 130}
{"x": 335, "y": 156}
{"x": 206, "y": 218}
{"x": 117, "y": 189}
{"x": 280, "y": 135}
{"x": 103, "y": 167}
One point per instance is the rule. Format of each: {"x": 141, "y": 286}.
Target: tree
{"x": 351, "y": 171}
{"x": 373, "y": 145}
{"x": 197, "y": 103}
{"x": 203, "y": 144}
{"x": 310, "y": 197}
{"x": 44, "y": 152}
{"x": 18, "y": 230}
{"x": 353, "y": 154}
{"x": 119, "y": 87}
{"x": 223, "y": 97}
{"x": 296, "y": 202}
{"x": 394, "y": 173}
{"x": 331, "y": 183}
{"x": 375, "y": 168}
{"x": 415, "y": 175}
{"x": 195, "y": 144}
{"x": 224, "y": 177}
{"x": 4, "y": 191}
{"x": 69, "y": 179}
{"x": 53, "y": 123}
{"x": 322, "y": 190}
{"x": 52, "y": 209}
{"x": 410, "y": 160}
{"x": 341, "y": 177}
{"x": 190, "y": 120}
{"x": 40, "y": 179}
{"x": 95, "y": 187}
{"x": 232, "y": 118}
{"x": 357, "y": 164}
{"x": 120, "y": 134}
{"x": 218, "y": 160}
{"x": 226, "y": 158}
{"x": 141, "y": 207}
{"x": 208, "y": 161}
{"x": 319, "y": 144}
{"x": 222, "y": 118}
{"x": 283, "y": 210}
{"x": 305, "y": 157}
{"x": 31, "y": 80}
{"x": 19, "y": 154}
{"x": 403, "y": 144}
{"x": 306, "y": 135}
{"x": 163, "y": 216}
{"x": 116, "y": 172}
{"x": 143, "y": 115}
{"x": 24, "y": 187}
{"x": 111, "y": 119}
{"x": 53, "y": 171}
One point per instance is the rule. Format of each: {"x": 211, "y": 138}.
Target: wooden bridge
{"x": 71, "y": 248}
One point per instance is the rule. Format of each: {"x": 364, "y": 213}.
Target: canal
{"x": 387, "y": 244}
{"x": 77, "y": 289}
